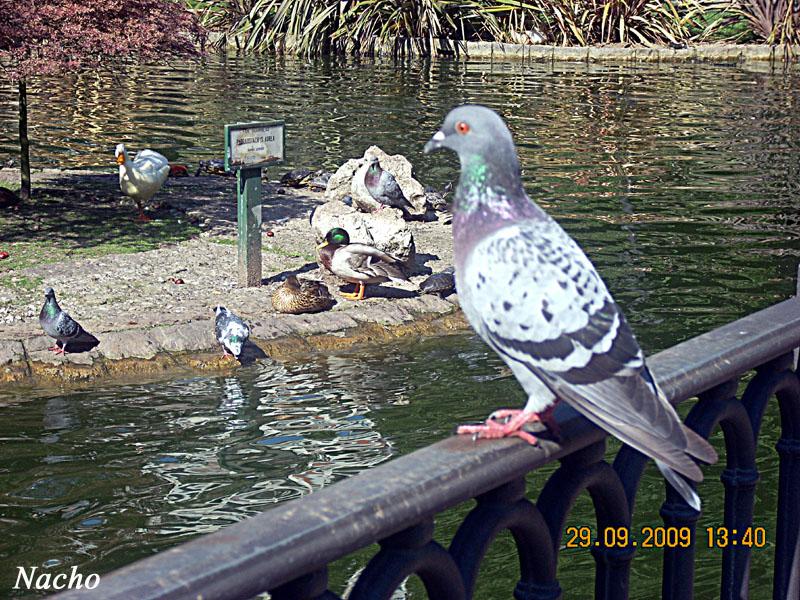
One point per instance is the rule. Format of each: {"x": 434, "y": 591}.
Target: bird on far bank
{"x": 296, "y": 296}
{"x": 231, "y": 331}
{"x": 383, "y": 187}
{"x": 61, "y": 327}
{"x": 142, "y": 177}
{"x": 356, "y": 263}
{"x": 534, "y": 297}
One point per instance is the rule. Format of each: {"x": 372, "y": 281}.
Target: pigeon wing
{"x": 66, "y": 327}
{"x": 392, "y": 192}
{"x": 542, "y": 305}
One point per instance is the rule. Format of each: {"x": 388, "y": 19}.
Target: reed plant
{"x": 367, "y": 27}
{"x": 769, "y": 21}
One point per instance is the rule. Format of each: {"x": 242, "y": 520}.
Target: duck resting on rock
{"x": 142, "y": 177}
{"x": 357, "y": 263}
{"x": 298, "y": 296}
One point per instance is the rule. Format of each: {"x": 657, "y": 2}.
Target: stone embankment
{"x": 153, "y": 311}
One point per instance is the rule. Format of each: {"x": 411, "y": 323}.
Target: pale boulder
{"x": 349, "y": 181}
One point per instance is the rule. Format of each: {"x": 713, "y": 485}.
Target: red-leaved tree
{"x": 52, "y": 37}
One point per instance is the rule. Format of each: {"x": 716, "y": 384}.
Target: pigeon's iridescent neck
{"x": 51, "y": 308}
{"x": 486, "y": 200}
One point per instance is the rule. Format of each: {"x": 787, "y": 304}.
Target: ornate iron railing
{"x": 286, "y": 550}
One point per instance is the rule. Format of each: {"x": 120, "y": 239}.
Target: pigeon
{"x": 534, "y": 297}
{"x": 60, "y": 326}
{"x": 231, "y": 331}
{"x": 383, "y": 187}
{"x": 442, "y": 283}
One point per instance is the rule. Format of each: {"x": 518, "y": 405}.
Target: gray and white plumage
{"x": 383, "y": 187}
{"x": 60, "y": 326}
{"x": 230, "y": 330}
{"x": 532, "y": 294}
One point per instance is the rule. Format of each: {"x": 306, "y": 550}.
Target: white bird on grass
{"x": 141, "y": 177}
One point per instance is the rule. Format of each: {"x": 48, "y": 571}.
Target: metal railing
{"x": 286, "y": 550}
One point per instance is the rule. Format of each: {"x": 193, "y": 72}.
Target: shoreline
{"x": 713, "y": 53}
{"x": 190, "y": 346}
{"x": 148, "y": 324}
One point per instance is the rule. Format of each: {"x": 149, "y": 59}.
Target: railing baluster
{"x": 504, "y": 508}
{"x": 776, "y": 378}
{"x": 409, "y": 552}
{"x": 719, "y": 406}
{"x": 586, "y": 470}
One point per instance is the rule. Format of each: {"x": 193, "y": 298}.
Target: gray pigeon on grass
{"x": 61, "y": 327}
{"x": 532, "y": 294}
{"x": 383, "y": 187}
{"x": 231, "y": 331}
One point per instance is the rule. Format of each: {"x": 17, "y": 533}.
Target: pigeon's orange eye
{"x": 462, "y": 127}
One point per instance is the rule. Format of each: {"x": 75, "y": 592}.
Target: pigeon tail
{"x": 698, "y": 447}
{"x": 680, "y": 484}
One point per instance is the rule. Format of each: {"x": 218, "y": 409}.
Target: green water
{"x": 681, "y": 181}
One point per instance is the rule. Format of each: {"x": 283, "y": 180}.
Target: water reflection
{"x": 680, "y": 181}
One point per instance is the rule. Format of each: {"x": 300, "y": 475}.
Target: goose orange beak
{"x": 121, "y": 159}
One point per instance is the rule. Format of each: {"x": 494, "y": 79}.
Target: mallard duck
{"x": 357, "y": 263}
{"x": 297, "y": 296}
{"x": 141, "y": 177}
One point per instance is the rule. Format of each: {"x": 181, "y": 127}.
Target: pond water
{"x": 681, "y": 181}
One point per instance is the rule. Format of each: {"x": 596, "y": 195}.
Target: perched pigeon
{"x": 536, "y": 299}
{"x": 230, "y": 330}
{"x": 384, "y": 187}
{"x": 60, "y": 326}
{"x": 442, "y": 283}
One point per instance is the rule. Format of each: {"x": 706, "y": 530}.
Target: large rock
{"x": 349, "y": 181}
{"x": 386, "y": 229}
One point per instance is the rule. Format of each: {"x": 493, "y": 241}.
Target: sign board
{"x": 254, "y": 145}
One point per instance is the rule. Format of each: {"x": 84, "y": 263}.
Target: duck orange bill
{"x": 120, "y": 159}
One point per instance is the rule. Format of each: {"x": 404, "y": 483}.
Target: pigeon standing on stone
{"x": 61, "y": 327}
{"x": 382, "y": 186}
{"x": 231, "y": 331}
{"x": 532, "y": 294}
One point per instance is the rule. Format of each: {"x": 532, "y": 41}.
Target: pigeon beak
{"x": 435, "y": 142}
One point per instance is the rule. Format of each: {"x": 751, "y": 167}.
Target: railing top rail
{"x": 273, "y": 547}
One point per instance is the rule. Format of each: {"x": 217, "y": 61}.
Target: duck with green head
{"x": 356, "y": 263}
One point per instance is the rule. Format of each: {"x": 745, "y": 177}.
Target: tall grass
{"x": 366, "y": 27}
{"x": 771, "y": 21}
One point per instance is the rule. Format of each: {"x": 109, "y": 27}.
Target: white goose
{"x": 141, "y": 177}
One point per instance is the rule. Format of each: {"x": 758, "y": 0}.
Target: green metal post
{"x": 248, "y": 196}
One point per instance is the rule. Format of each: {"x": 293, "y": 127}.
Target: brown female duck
{"x": 298, "y": 296}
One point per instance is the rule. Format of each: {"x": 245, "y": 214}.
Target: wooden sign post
{"x": 249, "y": 147}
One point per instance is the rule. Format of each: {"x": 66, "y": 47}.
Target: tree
{"x": 52, "y": 37}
